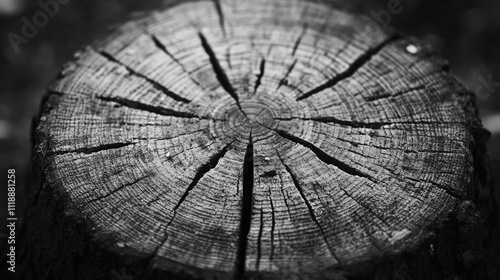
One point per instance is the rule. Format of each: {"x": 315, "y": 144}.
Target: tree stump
{"x": 256, "y": 140}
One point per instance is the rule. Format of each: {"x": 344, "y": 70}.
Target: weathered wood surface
{"x": 256, "y": 140}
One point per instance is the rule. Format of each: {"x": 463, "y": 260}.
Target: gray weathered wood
{"x": 257, "y": 140}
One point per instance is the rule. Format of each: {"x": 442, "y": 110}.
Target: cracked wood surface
{"x": 256, "y": 140}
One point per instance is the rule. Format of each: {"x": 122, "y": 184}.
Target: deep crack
{"x": 91, "y": 150}
{"x": 149, "y": 108}
{"x": 310, "y": 208}
{"x": 353, "y": 68}
{"x": 246, "y": 210}
{"x": 156, "y": 84}
{"x": 259, "y": 77}
{"x": 324, "y": 156}
{"x": 219, "y": 72}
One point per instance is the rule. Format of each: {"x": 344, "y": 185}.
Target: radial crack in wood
{"x": 388, "y": 95}
{"x": 148, "y": 108}
{"x": 219, "y": 72}
{"x": 324, "y": 157}
{"x": 91, "y": 150}
{"x": 162, "y": 47}
{"x": 284, "y": 80}
{"x": 220, "y": 13}
{"x": 155, "y": 83}
{"x": 202, "y": 170}
{"x": 358, "y": 63}
{"x": 354, "y": 124}
{"x": 246, "y": 210}
{"x": 311, "y": 210}
{"x": 297, "y": 43}
{"x": 260, "y": 76}
{"x": 116, "y": 190}
{"x": 212, "y": 163}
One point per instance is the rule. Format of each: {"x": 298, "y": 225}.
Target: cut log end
{"x": 257, "y": 140}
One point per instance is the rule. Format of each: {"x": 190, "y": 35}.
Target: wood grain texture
{"x": 257, "y": 140}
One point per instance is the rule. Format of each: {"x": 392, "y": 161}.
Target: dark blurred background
{"x": 465, "y": 32}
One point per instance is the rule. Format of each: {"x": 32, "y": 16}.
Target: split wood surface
{"x": 256, "y": 140}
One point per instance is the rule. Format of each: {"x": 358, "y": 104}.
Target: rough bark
{"x": 256, "y": 140}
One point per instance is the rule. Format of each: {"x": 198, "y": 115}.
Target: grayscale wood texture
{"x": 256, "y": 140}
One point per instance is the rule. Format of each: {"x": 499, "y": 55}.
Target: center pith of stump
{"x": 255, "y": 116}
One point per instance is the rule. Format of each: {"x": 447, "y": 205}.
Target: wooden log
{"x": 256, "y": 140}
